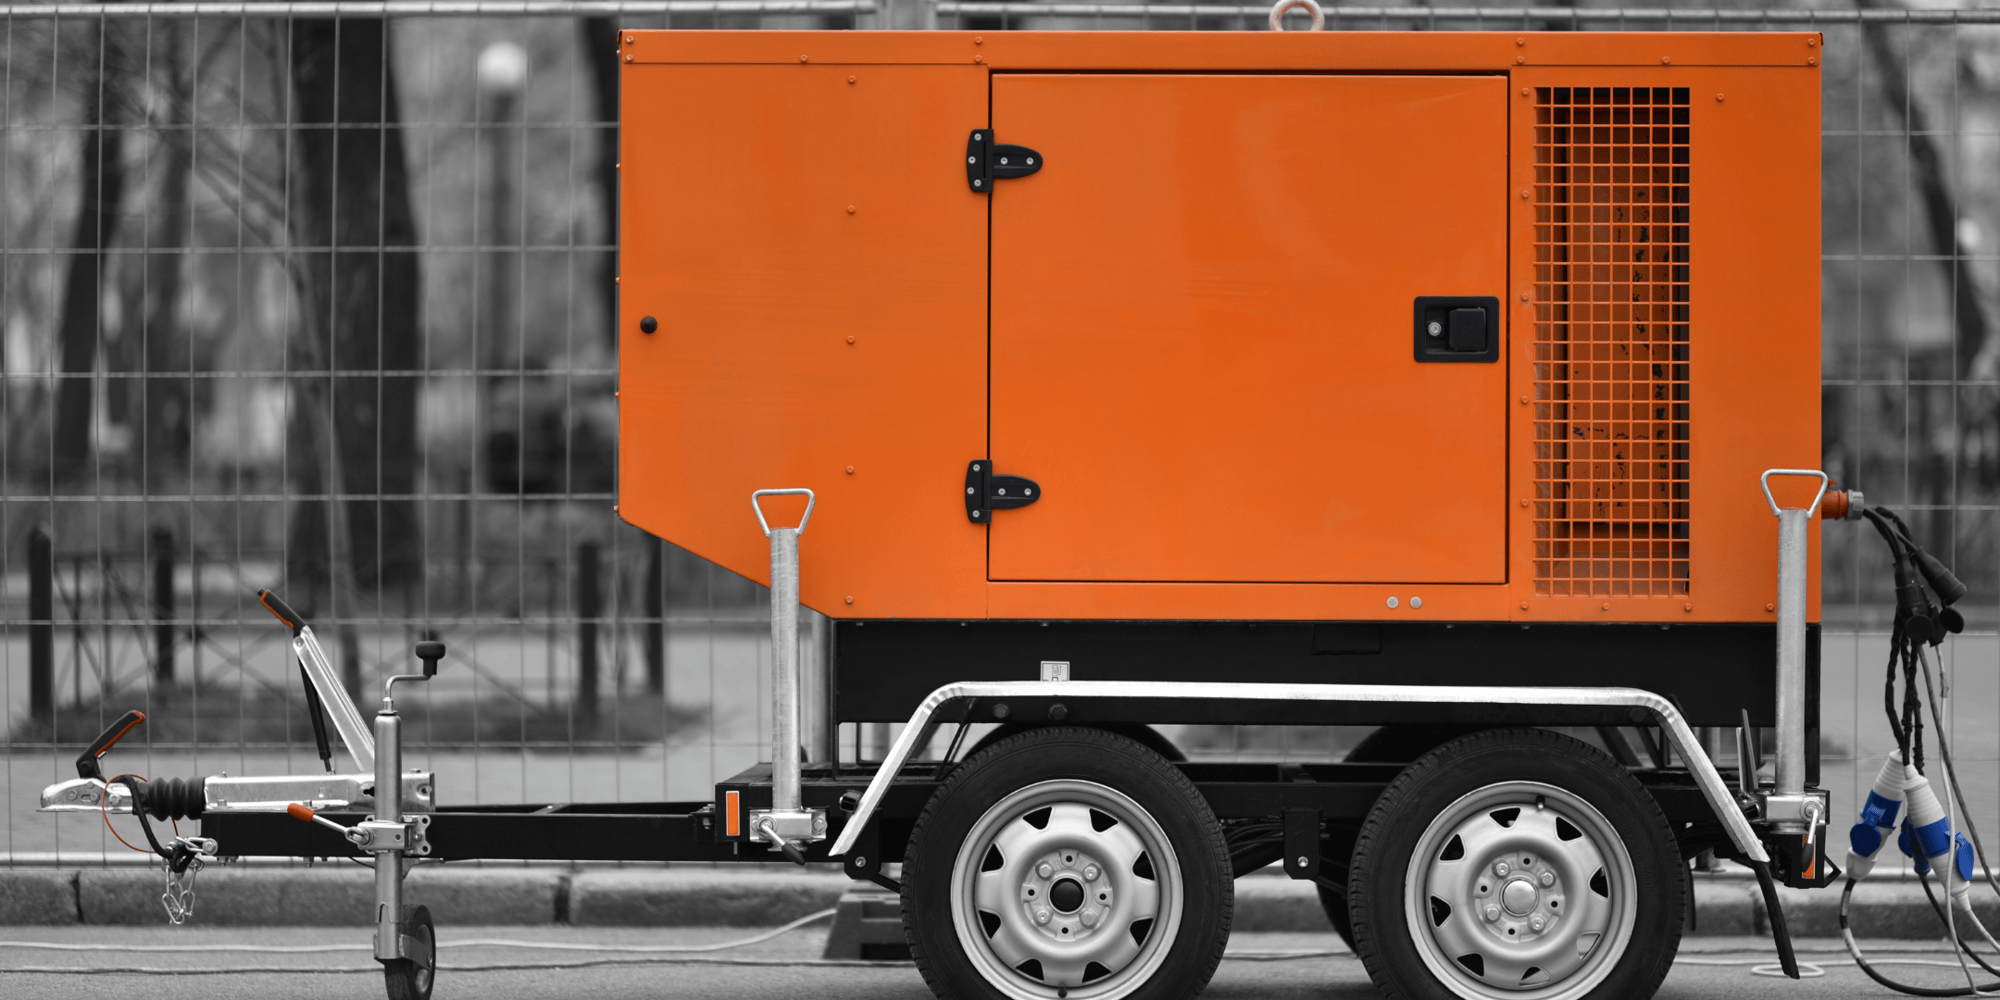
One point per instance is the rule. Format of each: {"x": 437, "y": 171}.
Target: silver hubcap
{"x": 1066, "y": 888}
{"x": 1520, "y": 890}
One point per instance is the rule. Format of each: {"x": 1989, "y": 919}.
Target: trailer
{"x": 1460, "y": 385}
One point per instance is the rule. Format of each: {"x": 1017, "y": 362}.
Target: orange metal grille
{"x": 1611, "y": 342}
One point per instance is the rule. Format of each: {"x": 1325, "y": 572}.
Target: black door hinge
{"x": 987, "y": 161}
{"x": 986, "y": 492}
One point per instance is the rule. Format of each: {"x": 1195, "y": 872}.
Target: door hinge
{"x": 987, "y": 161}
{"x": 986, "y": 492}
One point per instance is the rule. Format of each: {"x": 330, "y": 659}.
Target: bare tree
{"x": 1934, "y": 190}
{"x": 168, "y": 407}
{"x": 600, "y": 54}
{"x": 355, "y": 428}
{"x": 100, "y": 191}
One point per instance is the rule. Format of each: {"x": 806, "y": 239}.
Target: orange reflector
{"x": 732, "y": 822}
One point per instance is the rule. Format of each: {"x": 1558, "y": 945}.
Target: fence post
{"x": 163, "y": 607}
{"x": 41, "y": 628}
{"x": 587, "y": 611}
{"x": 656, "y": 615}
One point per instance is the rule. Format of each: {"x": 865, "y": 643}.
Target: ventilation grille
{"x": 1611, "y": 342}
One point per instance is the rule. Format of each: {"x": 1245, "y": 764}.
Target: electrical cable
{"x": 1938, "y": 694}
{"x": 104, "y": 801}
{"x": 1854, "y": 949}
{"x": 1919, "y": 621}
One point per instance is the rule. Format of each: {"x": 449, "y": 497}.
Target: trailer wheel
{"x": 1067, "y": 863}
{"x": 1521, "y": 864}
{"x": 1399, "y": 744}
{"x": 411, "y": 978}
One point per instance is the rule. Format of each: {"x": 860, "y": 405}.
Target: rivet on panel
{"x": 1666, "y": 60}
{"x": 850, "y": 470}
{"x": 631, "y": 39}
{"x": 850, "y": 209}
{"x": 1770, "y": 607}
{"x": 1520, "y": 41}
{"x": 1812, "y": 60}
{"x": 1524, "y": 192}
{"x": 1687, "y": 607}
{"x": 1812, "y": 43}
{"x": 850, "y": 598}
{"x": 1524, "y": 605}
{"x": 628, "y": 57}
{"x": 1520, "y": 60}
{"x": 1524, "y": 400}
{"x": 1718, "y": 98}
{"x": 850, "y": 79}
{"x": 979, "y": 59}
{"x": 1525, "y": 91}
{"x": 1524, "y": 501}
{"x": 1607, "y": 607}
{"x": 1524, "y": 296}
{"x": 850, "y": 338}
{"x": 1392, "y": 602}
{"x": 979, "y": 39}
{"x": 1416, "y": 602}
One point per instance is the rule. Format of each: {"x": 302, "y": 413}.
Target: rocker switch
{"x": 1467, "y": 329}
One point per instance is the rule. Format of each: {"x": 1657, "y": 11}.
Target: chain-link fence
{"x": 317, "y": 297}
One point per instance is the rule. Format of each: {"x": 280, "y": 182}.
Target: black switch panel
{"x": 1458, "y": 328}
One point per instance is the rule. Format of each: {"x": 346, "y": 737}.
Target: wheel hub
{"x": 1068, "y": 894}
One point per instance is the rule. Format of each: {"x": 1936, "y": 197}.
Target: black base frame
{"x": 697, "y": 831}
{"x": 885, "y": 668}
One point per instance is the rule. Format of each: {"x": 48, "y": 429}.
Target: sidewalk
{"x": 341, "y": 894}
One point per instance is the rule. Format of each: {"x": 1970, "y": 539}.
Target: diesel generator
{"x": 1462, "y": 385}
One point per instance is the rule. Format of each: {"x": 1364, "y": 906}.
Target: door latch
{"x": 986, "y": 492}
{"x": 987, "y": 161}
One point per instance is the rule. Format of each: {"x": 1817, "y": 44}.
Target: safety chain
{"x": 189, "y": 855}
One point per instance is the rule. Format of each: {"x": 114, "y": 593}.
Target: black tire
{"x": 1145, "y": 735}
{"x": 1387, "y": 745}
{"x": 1008, "y": 784}
{"x": 1570, "y": 803}
{"x": 412, "y": 978}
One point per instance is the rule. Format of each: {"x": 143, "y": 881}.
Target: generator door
{"x": 1249, "y": 328}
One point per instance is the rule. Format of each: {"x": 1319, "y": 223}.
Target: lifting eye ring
{"x": 1311, "y": 7}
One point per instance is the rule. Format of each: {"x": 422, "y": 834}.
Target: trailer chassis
{"x": 863, "y": 815}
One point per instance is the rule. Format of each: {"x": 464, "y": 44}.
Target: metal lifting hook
{"x": 1310, "y": 7}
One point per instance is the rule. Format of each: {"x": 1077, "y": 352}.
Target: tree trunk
{"x": 101, "y": 173}
{"x": 168, "y": 412}
{"x": 361, "y": 291}
{"x": 600, "y": 52}
{"x": 1934, "y": 191}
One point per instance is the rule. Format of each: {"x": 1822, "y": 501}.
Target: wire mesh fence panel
{"x": 317, "y": 297}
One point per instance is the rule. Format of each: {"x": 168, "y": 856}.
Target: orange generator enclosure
{"x": 1320, "y": 327}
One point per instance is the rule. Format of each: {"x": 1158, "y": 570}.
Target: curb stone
{"x": 37, "y": 896}
{"x": 326, "y": 895}
{"x": 701, "y": 896}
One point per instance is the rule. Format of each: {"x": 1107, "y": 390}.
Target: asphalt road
{"x": 784, "y": 968}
